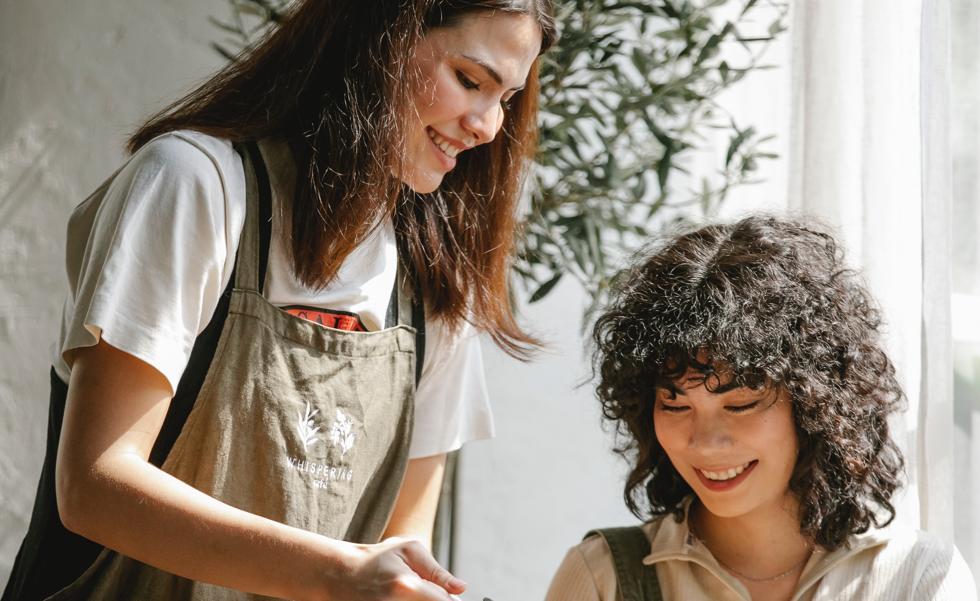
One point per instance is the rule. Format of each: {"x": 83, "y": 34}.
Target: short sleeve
{"x": 452, "y": 405}
{"x": 148, "y": 262}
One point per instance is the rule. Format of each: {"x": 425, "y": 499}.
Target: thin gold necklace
{"x": 779, "y": 576}
{"x": 769, "y": 579}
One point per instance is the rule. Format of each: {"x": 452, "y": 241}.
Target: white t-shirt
{"x": 147, "y": 265}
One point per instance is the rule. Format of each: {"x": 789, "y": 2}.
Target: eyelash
{"x": 469, "y": 84}
{"x": 731, "y": 408}
{"x": 466, "y": 82}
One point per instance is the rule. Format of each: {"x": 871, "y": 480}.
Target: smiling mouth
{"x": 725, "y": 475}
{"x": 443, "y": 144}
{"x": 720, "y": 481}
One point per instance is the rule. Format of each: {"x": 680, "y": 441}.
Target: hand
{"x": 396, "y": 569}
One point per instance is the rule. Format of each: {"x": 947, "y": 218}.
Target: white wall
{"x": 548, "y": 476}
{"x": 75, "y": 78}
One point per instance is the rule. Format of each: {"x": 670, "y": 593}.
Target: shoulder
{"x": 594, "y": 551}
{"x": 189, "y": 152}
{"x": 176, "y": 178}
{"x": 927, "y": 566}
{"x": 939, "y": 569}
{"x": 185, "y": 177}
{"x": 590, "y": 566}
{"x": 912, "y": 547}
{"x": 640, "y": 536}
{"x": 586, "y": 572}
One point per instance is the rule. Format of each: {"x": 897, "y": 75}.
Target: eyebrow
{"x": 490, "y": 70}
{"x": 680, "y": 392}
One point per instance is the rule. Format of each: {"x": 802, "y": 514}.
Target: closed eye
{"x": 674, "y": 408}
{"x": 466, "y": 82}
{"x": 742, "y": 408}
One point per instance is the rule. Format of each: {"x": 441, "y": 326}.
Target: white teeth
{"x": 444, "y": 144}
{"x": 727, "y": 474}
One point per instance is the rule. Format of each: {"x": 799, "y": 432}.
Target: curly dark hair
{"x": 771, "y": 303}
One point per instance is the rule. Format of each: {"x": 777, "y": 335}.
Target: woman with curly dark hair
{"x": 742, "y": 366}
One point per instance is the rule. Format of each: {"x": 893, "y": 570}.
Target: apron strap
{"x": 418, "y": 320}
{"x": 392, "y": 313}
{"x": 406, "y": 307}
{"x": 257, "y": 232}
{"x": 628, "y": 546}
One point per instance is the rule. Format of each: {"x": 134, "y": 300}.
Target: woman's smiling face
{"x": 737, "y": 449}
{"x": 469, "y": 70}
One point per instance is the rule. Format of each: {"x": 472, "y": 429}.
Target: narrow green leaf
{"x": 663, "y": 168}
{"x": 748, "y": 6}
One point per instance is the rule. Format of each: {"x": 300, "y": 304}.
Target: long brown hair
{"x": 333, "y": 79}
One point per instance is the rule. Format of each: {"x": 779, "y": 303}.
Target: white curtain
{"x": 869, "y": 154}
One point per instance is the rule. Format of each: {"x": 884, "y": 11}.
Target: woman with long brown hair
{"x": 268, "y": 347}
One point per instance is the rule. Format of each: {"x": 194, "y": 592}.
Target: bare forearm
{"x": 132, "y": 507}
{"x": 415, "y": 510}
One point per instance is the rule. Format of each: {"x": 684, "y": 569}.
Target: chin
{"x": 423, "y": 183}
{"x": 732, "y": 506}
{"x": 426, "y": 187}
{"x": 722, "y": 510}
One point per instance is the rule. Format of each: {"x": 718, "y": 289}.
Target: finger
{"x": 422, "y": 563}
{"x": 427, "y": 591}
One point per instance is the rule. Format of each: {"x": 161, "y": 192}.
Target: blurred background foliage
{"x": 629, "y": 97}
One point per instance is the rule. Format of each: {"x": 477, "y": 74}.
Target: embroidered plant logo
{"x": 342, "y": 433}
{"x": 307, "y": 429}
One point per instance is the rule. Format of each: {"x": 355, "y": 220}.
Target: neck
{"x": 762, "y": 543}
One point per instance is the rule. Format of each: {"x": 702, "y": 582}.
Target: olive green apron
{"x": 295, "y": 422}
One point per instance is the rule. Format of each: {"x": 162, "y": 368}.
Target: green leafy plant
{"x": 629, "y": 96}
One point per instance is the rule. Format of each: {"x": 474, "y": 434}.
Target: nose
{"x": 709, "y": 432}
{"x": 484, "y": 122}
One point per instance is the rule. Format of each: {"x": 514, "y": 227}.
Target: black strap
{"x": 391, "y": 314}
{"x": 628, "y": 546}
{"x": 265, "y": 210}
{"x": 418, "y": 322}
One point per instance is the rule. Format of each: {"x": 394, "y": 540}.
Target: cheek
{"x": 500, "y": 125}
{"x": 443, "y": 100}
{"x": 670, "y": 435}
{"x": 778, "y": 436}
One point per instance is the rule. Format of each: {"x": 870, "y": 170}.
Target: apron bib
{"x": 301, "y": 424}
